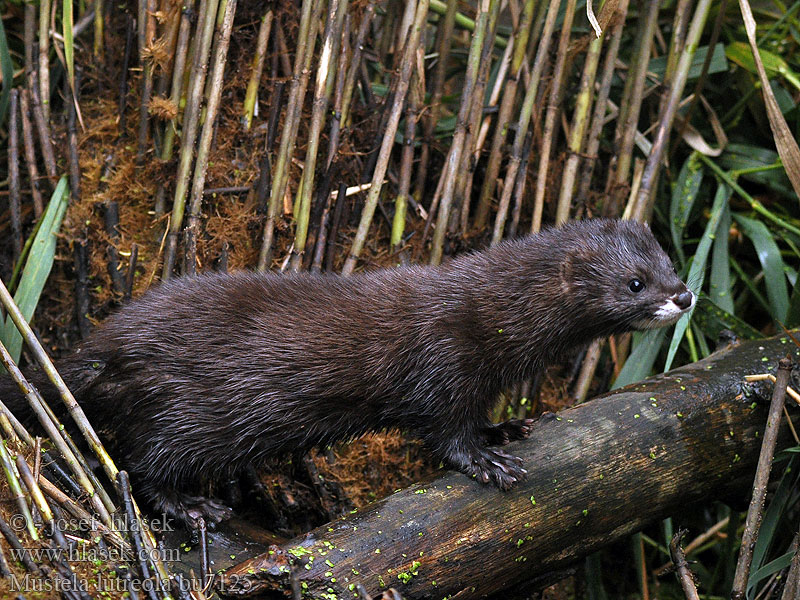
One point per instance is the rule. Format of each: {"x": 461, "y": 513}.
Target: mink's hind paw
{"x": 188, "y": 509}
{"x": 499, "y": 434}
{"x": 488, "y": 464}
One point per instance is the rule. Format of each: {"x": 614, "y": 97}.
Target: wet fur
{"x": 205, "y": 375}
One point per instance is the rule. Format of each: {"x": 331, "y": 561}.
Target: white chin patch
{"x": 667, "y": 314}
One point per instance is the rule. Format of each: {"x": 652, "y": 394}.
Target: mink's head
{"x": 621, "y": 277}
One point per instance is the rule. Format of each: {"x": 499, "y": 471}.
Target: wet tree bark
{"x": 597, "y": 472}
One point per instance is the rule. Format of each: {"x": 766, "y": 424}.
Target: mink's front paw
{"x": 499, "y": 434}
{"x": 501, "y": 468}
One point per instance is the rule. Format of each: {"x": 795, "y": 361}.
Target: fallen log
{"x": 597, "y": 472}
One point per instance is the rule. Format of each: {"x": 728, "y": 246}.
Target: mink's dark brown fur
{"x": 204, "y": 375}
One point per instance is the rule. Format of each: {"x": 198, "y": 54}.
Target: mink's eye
{"x": 635, "y": 286}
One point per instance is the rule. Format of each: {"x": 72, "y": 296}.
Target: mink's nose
{"x": 684, "y": 300}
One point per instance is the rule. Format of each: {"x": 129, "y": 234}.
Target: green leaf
{"x": 639, "y": 364}
{"x": 760, "y": 165}
{"x": 684, "y": 195}
{"x": 37, "y": 267}
{"x": 740, "y": 53}
{"x": 718, "y": 63}
{"x": 697, "y": 269}
{"x": 769, "y": 255}
{"x": 720, "y": 289}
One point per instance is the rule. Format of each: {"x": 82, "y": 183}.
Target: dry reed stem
{"x": 306, "y": 41}
{"x": 396, "y": 110}
{"x": 553, "y": 109}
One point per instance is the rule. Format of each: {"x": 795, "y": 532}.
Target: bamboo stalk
{"x": 43, "y": 130}
{"x": 122, "y": 90}
{"x": 147, "y": 79}
{"x": 559, "y": 75}
{"x": 257, "y": 67}
{"x": 204, "y": 146}
{"x": 44, "y": 56}
{"x": 504, "y": 115}
{"x": 23, "y": 554}
{"x": 355, "y": 62}
{"x": 297, "y": 90}
{"x": 16, "y": 491}
{"x": 396, "y": 110}
{"x": 205, "y": 29}
{"x": 599, "y": 113}
{"x": 406, "y": 160}
{"x": 453, "y": 161}
{"x": 754, "y": 512}
{"x": 98, "y": 47}
{"x": 29, "y": 37}
{"x": 459, "y": 218}
{"x": 580, "y": 117}
{"x": 338, "y": 96}
{"x": 443, "y": 41}
{"x": 14, "y": 195}
{"x": 178, "y": 69}
{"x": 58, "y": 437}
{"x": 326, "y": 79}
{"x": 629, "y": 117}
{"x": 661, "y": 139}
{"x": 30, "y": 154}
{"x": 69, "y": 400}
{"x": 524, "y": 121}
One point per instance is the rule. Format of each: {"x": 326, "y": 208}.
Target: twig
{"x": 30, "y": 154}
{"x": 257, "y": 67}
{"x": 122, "y": 90}
{"x": 13, "y": 175}
{"x": 72, "y": 138}
{"x": 131, "y": 273}
{"x": 43, "y": 130}
{"x": 44, "y": 56}
{"x": 111, "y": 215}
{"x": 16, "y": 491}
{"x": 81, "y": 257}
{"x": 22, "y": 553}
{"x": 134, "y": 529}
{"x": 330, "y": 251}
{"x": 755, "y": 511}
{"x": 682, "y": 567}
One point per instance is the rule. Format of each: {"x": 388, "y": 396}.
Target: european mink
{"x": 204, "y": 375}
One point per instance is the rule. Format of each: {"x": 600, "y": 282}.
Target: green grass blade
{"x": 697, "y": 269}
{"x": 769, "y": 255}
{"x": 718, "y": 64}
{"x": 69, "y": 42}
{"x": 37, "y": 267}
{"x": 7, "y": 68}
{"x": 720, "y": 289}
{"x": 639, "y": 364}
{"x": 684, "y": 195}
